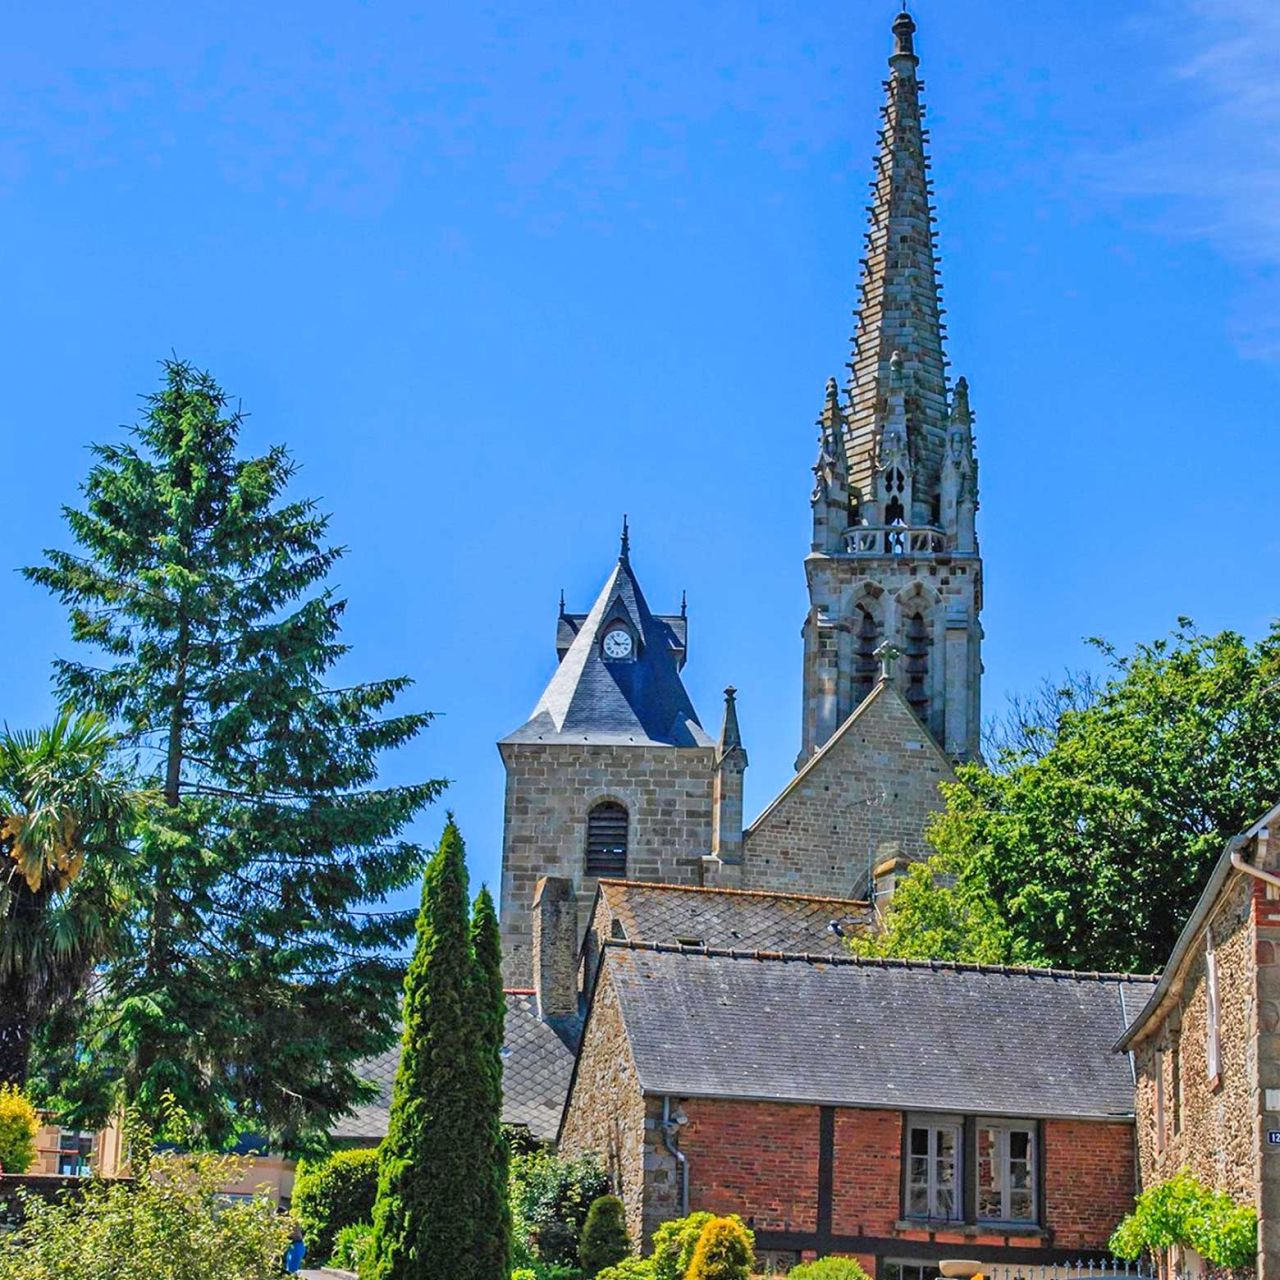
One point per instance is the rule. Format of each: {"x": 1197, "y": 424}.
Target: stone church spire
{"x": 894, "y": 557}
{"x": 898, "y": 307}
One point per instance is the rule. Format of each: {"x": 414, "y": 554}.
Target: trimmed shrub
{"x": 335, "y": 1193}
{"x": 19, "y": 1125}
{"x": 604, "y": 1238}
{"x": 674, "y": 1243}
{"x": 349, "y": 1246}
{"x": 628, "y": 1269}
{"x": 829, "y": 1269}
{"x": 724, "y": 1252}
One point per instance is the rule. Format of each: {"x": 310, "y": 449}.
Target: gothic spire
{"x": 898, "y": 307}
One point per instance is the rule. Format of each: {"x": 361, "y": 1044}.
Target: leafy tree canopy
{"x": 1087, "y": 842}
{"x": 259, "y": 966}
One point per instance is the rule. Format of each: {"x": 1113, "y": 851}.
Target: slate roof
{"x": 909, "y": 1035}
{"x": 740, "y": 919}
{"x": 640, "y": 700}
{"x": 535, "y": 1078}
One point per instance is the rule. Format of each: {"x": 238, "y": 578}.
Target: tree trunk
{"x": 15, "y": 1034}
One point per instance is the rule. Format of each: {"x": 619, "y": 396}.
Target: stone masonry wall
{"x": 605, "y": 1113}
{"x": 1208, "y": 1126}
{"x": 551, "y": 787}
{"x": 875, "y": 783}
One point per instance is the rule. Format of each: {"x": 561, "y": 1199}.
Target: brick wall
{"x": 821, "y": 832}
{"x": 551, "y": 787}
{"x": 867, "y": 1192}
{"x": 1089, "y": 1180}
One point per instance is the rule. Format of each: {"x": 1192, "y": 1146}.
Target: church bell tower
{"x": 894, "y": 573}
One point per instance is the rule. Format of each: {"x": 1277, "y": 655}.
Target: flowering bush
{"x": 19, "y": 1125}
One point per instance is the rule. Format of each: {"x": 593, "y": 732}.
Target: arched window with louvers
{"x": 607, "y": 840}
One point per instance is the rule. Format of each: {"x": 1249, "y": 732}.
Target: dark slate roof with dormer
{"x": 640, "y": 700}
{"x": 737, "y": 919}
{"x": 536, "y": 1066}
{"x": 909, "y": 1035}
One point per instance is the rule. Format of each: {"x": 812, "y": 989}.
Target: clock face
{"x": 617, "y": 644}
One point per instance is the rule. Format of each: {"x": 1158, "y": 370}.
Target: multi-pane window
{"x": 1006, "y": 1173}
{"x": 933, "y": 1170}
{"x": 891, "y": 1269}
{"x": 74, "y": 1152}
{"x": 607, "y": 839}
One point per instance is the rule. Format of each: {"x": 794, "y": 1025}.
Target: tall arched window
{"x": 607, "y": 839}
{"x": 866, "y": 666}
{"x": 917, "y": 665}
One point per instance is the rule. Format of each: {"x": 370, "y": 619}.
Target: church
{"x": 614, "y": 774}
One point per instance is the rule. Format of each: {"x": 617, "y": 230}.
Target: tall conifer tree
{"x": 489, "y": 1010}
{"x": 259, "y": 968}
{"x": 424, "y": 1220}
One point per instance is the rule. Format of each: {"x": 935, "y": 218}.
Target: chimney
{"x": 891, "y": 865}
{"x": 555, "y": 948}
{"x": 726, "y": 791}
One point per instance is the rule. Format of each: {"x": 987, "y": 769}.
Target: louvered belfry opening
{"x": 607, "y": 839}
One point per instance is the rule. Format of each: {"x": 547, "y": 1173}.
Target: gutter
{"x": 670, "y": 1128}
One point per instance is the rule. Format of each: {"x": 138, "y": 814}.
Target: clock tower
{"x": 612, "y": 775}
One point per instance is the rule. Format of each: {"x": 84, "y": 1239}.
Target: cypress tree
{"x": 492, "y": 1213}
{"x": 258, "y": 967}
{"x": 424, "y": 1216}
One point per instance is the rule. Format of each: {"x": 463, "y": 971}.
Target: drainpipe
{"x": 1237, "y": 861}
{"x": 670, "y": 1128}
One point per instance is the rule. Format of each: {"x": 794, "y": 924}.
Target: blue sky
{"x": 497, "y": 273}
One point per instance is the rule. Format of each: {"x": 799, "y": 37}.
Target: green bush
{"x": 334, "y": 1193}
{"x": 550, "y": 1198}
{"x": 604, "y": 1238}
{"x": 543, "y": 1271}
{"x": 628, "y": 1269}
{"x": 19, "y": 1125}
{"x": 674, "y": 1243}
{"x": 725, "y": 1252}
{"x": 829, "y": 1269}
{"x": 170, "y": 1222}
{"x": 1183, "y": 1211}
{"x": 349, "y": 1246}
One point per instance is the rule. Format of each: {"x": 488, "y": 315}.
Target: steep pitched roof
{"x": 535, "y": 1078}
{"x": 735, "y": 918}
{"x": 640, "y": 700}
{"x": 844, "y": 1032}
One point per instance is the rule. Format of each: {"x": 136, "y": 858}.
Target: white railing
{"x": 1093, "y": 1269}
{"x": 894, "y": 540}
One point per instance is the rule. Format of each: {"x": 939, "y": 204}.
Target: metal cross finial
{"x": 888, "y": 654}
{"x": 626, "y": 539}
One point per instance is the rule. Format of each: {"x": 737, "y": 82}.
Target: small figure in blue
{"x": 295, "y": 1253}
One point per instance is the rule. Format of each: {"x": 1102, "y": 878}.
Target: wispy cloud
{"x": 1212, "y": 156}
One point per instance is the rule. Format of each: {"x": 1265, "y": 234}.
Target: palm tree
{"x": 64, "y": 820}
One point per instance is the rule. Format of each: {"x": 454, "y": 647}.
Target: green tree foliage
{"x": 604, "y": 1240}
{"x": 550, "y": 1197}
{"x": 725, "y": 1252}
{"x": 334, "y": 1193}
{"x": 259, "y": 967}
{"x": 64, "y": 882}
{"x": 1087, "y": 844}
{"x": 491, "y": 1214}
{"x": 627, "y": 1269}
{"x": 170, "y": 1223}
{"x": 433, "y": 1183}
{"x": 350, "y": 1246}
{"x": 19, "y": 1125}
{"x": 1183, "y": 1211}
{"x": 829, "y": 1269}
{"x": 674, "y": 1243}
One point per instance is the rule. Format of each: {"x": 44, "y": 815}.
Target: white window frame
{"x": 934, "y": 1125}
{"x": 1212, "y": 1030}
{"x": 1003, "y": 1128}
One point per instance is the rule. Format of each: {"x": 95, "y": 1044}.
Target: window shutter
{"x": 607, "y": 840}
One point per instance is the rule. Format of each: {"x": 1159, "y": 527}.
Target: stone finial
{"x": 730, "y": 734}
{"x": 904, "y": 29}
{"x": 625, "y": 553}
{"x": 887, "y": 654}
{"x": 562, "y": 602}
{"x": 684, "y": 604}
{"x": 960, "y": 411}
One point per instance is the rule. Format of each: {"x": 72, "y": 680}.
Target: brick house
{"x": 901, "y": 1112}
{"x": 1206, "y": 1046}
